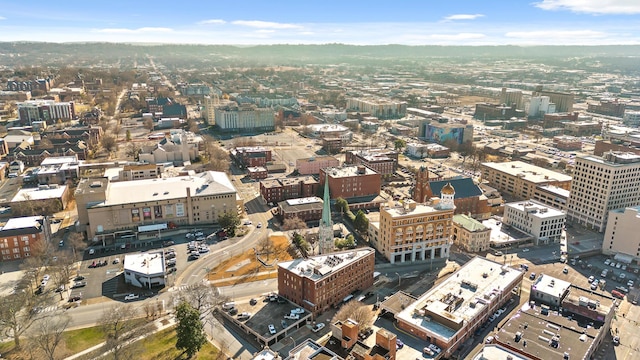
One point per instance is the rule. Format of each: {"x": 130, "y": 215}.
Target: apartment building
{"x": 414, "y": 232}
{"x": 351, "y": 182}
{"x": 321, "y": 282}
{"x": 542, "y": 222}
{"x": 277, "y": 190}
{"x": 602, "y": 184}
{"x": 246, "y": 117}
{"x": 140, "y": 172}
{"x": 382, "y": 161}
{"x": 251, "y": 156}
{"x": 21, "y": 236}
{"x": 45, "y": 110}
{"x": 381, "y": 108}
{"x": 621, "y": 235}
{"x": 305, "y": 209}
{"x": 519, "y": 179}
{"x": 312, "y": 165}
{"x": 469, "y": 234}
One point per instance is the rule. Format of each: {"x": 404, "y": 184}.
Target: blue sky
{"x": 409, "y": 22}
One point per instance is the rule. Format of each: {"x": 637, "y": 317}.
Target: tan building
{"x": 520, "y": 179}
{"x": 415, "y": 232}
{"x": 622, "y": 235}
{"x": 469, "y": 234}
{"x": 140, "y": 172}
{"x": 312, "y": 165}
{"x": 107, "y": 210}
{"x": 321, "y": 282}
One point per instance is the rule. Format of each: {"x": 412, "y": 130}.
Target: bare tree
{"x": 202, "y": 296}
{"x": 61, "y": 271}
{"x": 119, "y": 327}
{"x": 48, "y": 335}
{"x": 266, "y": 246}
{"x": 132, "y": 150}
{"x": 148, "y": 124}
{"x": 18, "y": 313}
{"x": 357, "y": 312}
{"x": 77, "y": 243}
{"x": 108, "y": 142}
{"x": 293, "y": 223}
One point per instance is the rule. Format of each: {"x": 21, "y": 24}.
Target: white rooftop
{"x": 322, "y": 265}
{"x": 206, "y": 183}
{"x": 535, "y": 209}
{"x": 551, "y": 286}
{"x": 43, "y": 192}
{"x": 532, "y": 173}
{"x": 461, "y": 297}
{"x": 56, "y": 160}
{"x": 338, "y": 172}
{"x": 22, "y": 222}
{"x": 145, "y": 263}
{"x": 302, "y": 201}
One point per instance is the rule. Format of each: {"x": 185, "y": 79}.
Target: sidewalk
{"x": 170, "y": 321}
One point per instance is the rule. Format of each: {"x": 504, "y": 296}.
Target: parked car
{"x": 116, "y": 261}
{"x": 259, "y": 225}
{"x": 78, "y": 278}
{"x": 399, "y": 344}
{"x": 292, "y": 316}
{"x": 171, "y": 270}
{"x": 253, "y": 302}
{"x": 297, "y": 311}
{"x": 591, "y": 278}
{"x": 92, "y": 265}
{"x": 193, "y": 257}
{"x": 92, "y": 251}
{"x": 317, "y": 327}
{"x": 428, "y": 351}
{"x": 365, "y": 334}
{"x": 233, "y": 311}
{"x": 131, "y": 297}
{"x": 272, "y": 329}
{"x": 532, "y": 276}
{"x": 244, "y": 316}
{"x": 79, "y": 284}
{"x": 75, "y": 298}
{"x": 283, "y": 324}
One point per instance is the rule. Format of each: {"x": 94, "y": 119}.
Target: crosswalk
{"x": 44, "y": 309}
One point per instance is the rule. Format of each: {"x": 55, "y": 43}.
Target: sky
{"x": 356, "y": 22}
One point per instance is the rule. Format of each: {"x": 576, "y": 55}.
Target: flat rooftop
{"x": 43, "y": 192}
{"x": 555, "y": 190}
{"x": 150, "y": 263}
{"x": 399, "y": 211}
{"x": 460, "y": 298}
{"x": 529, "y": 172}
{"x": 203, "y": 184}
{"x": 318, "y": 267}
{"x": 22, "y": 223}
{"x": 535, "y": 209}
{"x": 348, "y": 171}
{"x": 551, "y": 286}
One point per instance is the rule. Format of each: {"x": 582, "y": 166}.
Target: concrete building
{"x": 312, "y": 165}
{"x": 448, "y": 314}
{"x": 382, "y": 161}
{"x": 321, "y": 282}
{"x": 520, "y": 179}
{"x": 45, "y": 198}
{"x": 607, "y": 107}
{"x": 330, "y": 131}
{"x": 106, "y": 210}
{"x": 246, "y": 117}
{"x": 631, "y": 118}
{"x": 512, "y": 97}
{"x": 144, "y": 270}
{"x": 351, "y": 182}
{"x": 539, "y": 106}
{"x": 582, "y": 128}
{"x": 621, "y": 235}
{"x": 21, "y": 236}
{"x": 131, "y": 172}
{"x": 469, "y": 234}
{"x": 177, "y": 146}
{"x": 602, "y": 184}
{"x": 381, "y": 108}
{"x": 306, "y": 209}
{"x": 415, "y": 232}
{"x": 58, "y": 170}
{"x": 488, "y": 111}
{"x": 423, "y": 150}
{"x": 277, "y": 190}
{"x": 441, "y": 133}
{"x": 542, "y": 222}
{"x": 45, "y": 110}
{"x": 257, "y": 172}
{"x": 562, "y": 100}
{"x": 552, "y": 196}
{"x": 567, "y": 143}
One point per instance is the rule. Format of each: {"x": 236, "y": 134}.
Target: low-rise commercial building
{"x": 382, "y": 161}
{"x": 469, "y": 234}
{"x": 20, "y": 237}
{"x": 321, "y": 282}
{"x": 351, "y": 182}
{"x": 251, "y": 156}
{"x": 144, "y": 270}
{"x": 542, "y": 222}
{"x": 448, "y": 314}
{"x": 306, "y": 209}
{"x": 277, "y": 190}
{"x": 312, "y": 165}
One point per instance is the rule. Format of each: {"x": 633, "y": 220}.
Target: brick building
{"x": 351, "y": 182}
{"x": 251, "y": 156}
{"x": 312, "y": 165}
{"x": 382, "y": 161}
{"x": 306, "y": 209}
{"x": 321, "y": 282}
{"x": 567, "y": 143}
{"x": 19, "y": 236}
{"x": 277, "y": 190}
{"x": 608, "y": 107}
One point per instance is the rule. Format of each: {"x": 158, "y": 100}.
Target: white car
{"x": 46, "y": 278}
{"x": 435, "y": 348}
{"x": 272, "y": 329}
{"x": 292, "y": 316}
{"x": 248, "y": 222}
{"x": 630, "y": 283}
{"x": 318, "y": 327}
{"x": 92, "y": 251}
{"x": 259, "y": 225}
{"x": 297, "y": 311}
{"x": 525, "y": 250}
{"x": 131, "y": 297}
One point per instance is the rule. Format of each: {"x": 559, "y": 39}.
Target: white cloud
{"x": 134, "y": 31}
{"x": 3, "y": 18}
{"x": 463, "y": 17}
{"x": 548, "y": 35}
{"x": 212, "y": 22}
{"x": 265, "y": 24}
{"x": 459, "y": 36}
{"x": 623, "y": 7}
{"x": 265, "y": 31}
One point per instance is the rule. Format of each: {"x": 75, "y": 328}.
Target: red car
{"x": 93, "y": 264}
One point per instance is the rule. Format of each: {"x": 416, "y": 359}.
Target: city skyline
{"x": 412, "y": 22}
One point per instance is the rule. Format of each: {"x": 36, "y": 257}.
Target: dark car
{"x": 253, "y": 302}
{"x": 75, "y": 298}
{"x": 171, "y": 270}
{"x": 78, "y": 278}
{"x": 168, "y": 243}
{"x": 193, "y": 257}
{"x": 365, "y": 334}
{"x": 233, "y": 311}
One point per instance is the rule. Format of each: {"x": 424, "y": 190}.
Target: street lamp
{"x": 294, "y": 341}
{"x": 399, "y": 278}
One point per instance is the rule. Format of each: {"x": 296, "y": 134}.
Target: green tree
{"x": 342, "y": 205}
{"x": 229, "y": 221}
{"x": 190, "y": 329}
{"x": 361, "y": 223}
{"x": 399, "y": 144}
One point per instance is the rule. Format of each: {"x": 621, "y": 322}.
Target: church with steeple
{"x": 325, "y": 230}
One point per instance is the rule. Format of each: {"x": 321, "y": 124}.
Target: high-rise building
{"x": 602, "y": 184}
{"x": 622, "y": 236}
